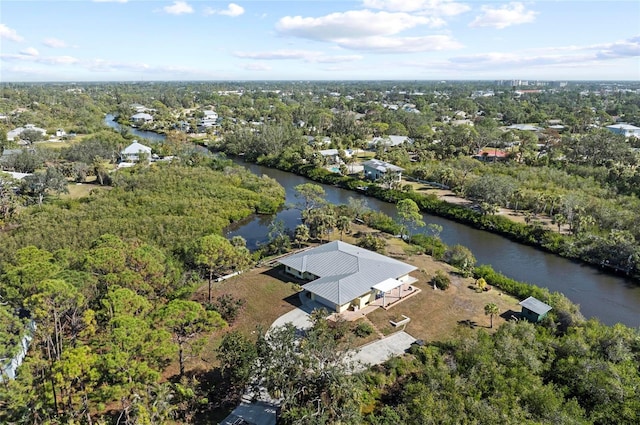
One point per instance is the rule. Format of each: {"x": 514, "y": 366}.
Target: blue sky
{"x": 112, "y": 40}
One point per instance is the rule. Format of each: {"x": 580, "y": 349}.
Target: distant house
{"x": 524, "y": 127}
{"x": 141, "y": 117}
{"x": 333, "y": 155}
{"x": 627, "y": 130}
{"x": 389, "y": 141}
{"x": 210, "y": 119}
{"x": 253, "y": 413}
{"x": 133, "y": 152}
{"x": 14, "y": 175}
{"x": 534, "y": 310}
{"x": 491, "y": 155}
{"x": 344, "y": 276}
{"x": 375, "y": 169}
{"x": 60, "y": 132}
{"x": 318, "y": 141}
{"x": 138, "y": 107}
{"x": 16, "y": 132}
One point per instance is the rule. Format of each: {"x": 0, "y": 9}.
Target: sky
{"x": 146, "y": 40}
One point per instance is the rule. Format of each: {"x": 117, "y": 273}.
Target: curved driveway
{"x": 376, "y": 352}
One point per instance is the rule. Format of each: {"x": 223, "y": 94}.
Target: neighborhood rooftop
{"x": 382, "y": 166}
{"x": 345, "y": 271}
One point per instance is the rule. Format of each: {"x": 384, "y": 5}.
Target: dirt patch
{"x": 513, "y": 215}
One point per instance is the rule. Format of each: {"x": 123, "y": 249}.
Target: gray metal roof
{"x": 382, "y": 166}
{"x": 536, "y": 305}
{"x": 135, "y": 148}
{"x": 345, "y": 271}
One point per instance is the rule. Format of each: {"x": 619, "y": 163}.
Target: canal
{"x": 611, "y": 299}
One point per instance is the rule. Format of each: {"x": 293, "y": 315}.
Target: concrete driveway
{"x": 380, "y": 351}
{"x": 299, "y": 316}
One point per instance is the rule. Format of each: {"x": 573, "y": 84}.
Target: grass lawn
{"x": 82, "y": 190}
{"x": 267, "y": 295}
{"x": 363, "y": 155}
{"x": 435, "y": 315}
{"x": 438, "y": 315}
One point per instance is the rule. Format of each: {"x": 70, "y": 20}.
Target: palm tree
{"x": 491, "y": 310}
{"x": 343, "y": 224}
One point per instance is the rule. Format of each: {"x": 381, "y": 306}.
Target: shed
{"x": 534, "y": 310}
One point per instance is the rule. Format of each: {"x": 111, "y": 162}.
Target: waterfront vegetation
{"x": 131, "y": 327}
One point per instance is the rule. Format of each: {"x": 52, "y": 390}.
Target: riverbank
{"x": 520, "y": 216}
{"x": 535, "y": 235}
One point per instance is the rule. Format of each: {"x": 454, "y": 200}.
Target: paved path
{"x": 378, "y": 352}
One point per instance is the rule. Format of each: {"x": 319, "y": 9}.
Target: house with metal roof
{"x": 389, "y": 141}
{"x": 534, "y": 310}
{"x": 17, "y": 132}
{"x": 344, "y": 276}
{"x": 135, "y": 151}
{"x": 141, "y": 117}
{"x": 375, "y": 169}
{"x": 627, "y": 130}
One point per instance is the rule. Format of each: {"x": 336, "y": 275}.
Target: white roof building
{"x": 16, "y": 132}
{"x": 626, "y": 130}
{"x": 343, "y": 275}
{"x": 133, "y": 152}
{"x": 141, "y": 117}
{"x": 390, "y": 141}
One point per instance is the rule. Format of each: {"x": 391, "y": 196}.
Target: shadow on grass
{"x": 468, "y": 323}
{"x": 279, "y": 274}
{"x": 511, "y": 315}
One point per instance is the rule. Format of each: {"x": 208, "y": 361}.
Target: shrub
{"x": 441, "y": 280}
{"x": 228, "y": 306}
{"x": 363, "y": 330}
{"x": 372, "y": 243}
{"x": 461, "y": 257}
{"x": 432, "y": 245}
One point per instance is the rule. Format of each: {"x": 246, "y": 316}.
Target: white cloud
{"x": 436, "y": 7}
{"x": 29, "y": 56}
{"x": 232, "y": 10}
{"x": 178, "y": 8}
{"x": 618, "y": 49}
{"x": 9, "y": 33}
{"x": 257, "y": 67}
{"x": 429, "y": 43}
{"x": 304, "y": 55}
{"x": 352, "y": 24}
{"x": 30, "y": 51}
{"x": 588, "y": 55}
{"x": 54, "y": 43}
{"x": 101, "y": 65}
{"x": 504, "y": 16}
{"x": 58, "y": 60}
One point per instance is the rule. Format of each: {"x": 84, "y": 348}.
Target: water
{"x": 148, "y": 135}
{"x": 611, "y": 299}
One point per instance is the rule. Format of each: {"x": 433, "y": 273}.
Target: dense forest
{"x": 102, "y": 265}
